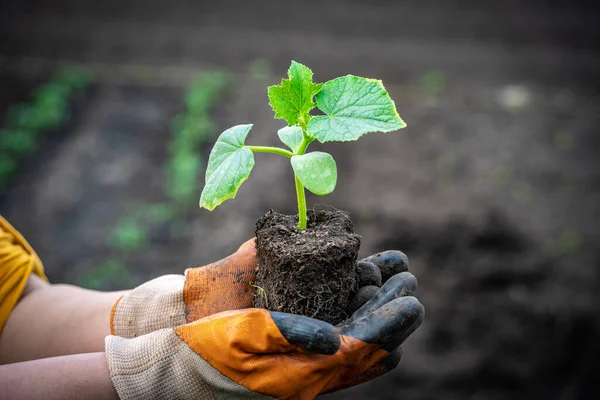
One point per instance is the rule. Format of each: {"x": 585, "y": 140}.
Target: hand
{"x": 253, "y": 353}
{"x": 174, "y": 300}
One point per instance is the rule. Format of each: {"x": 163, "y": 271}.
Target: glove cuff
{"x": 154, "y": 366}
{"x": 155, "y": 305}
{"x": 161, "y": 366}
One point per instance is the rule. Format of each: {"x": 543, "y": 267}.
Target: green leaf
{"x": 317, "y": 171}
{"x": 229, "y": 165}
{"x": 354, "y": 106}
{"x": 293, "y": 98}
{"x": 291, "y": 136}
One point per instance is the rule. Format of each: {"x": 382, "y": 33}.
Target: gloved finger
{"x": 368, "y": 274}
{"x": 236, "y": 334}
{"x": 361, "y": 297}
{"x": 390, "y": 263}
{"x": 222, "y": 285}
{"x": 389, "y": 325}
{"x": 402, "y": 284}
{"x": 383, "y": 366}
{"x": 311, "y": 335}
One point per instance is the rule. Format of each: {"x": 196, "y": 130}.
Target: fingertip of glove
{"x": 414, "y": 313}
{"x": 404, "y": 281}
{"x": 389, "y": 325}
{"x": 311, "y": 335}
{"x": 389, "y": 262}
{"x": 368, "y": 274}
{"x": 361, "y": 297}
{"x": 399, "y": 285}
{"x": 248, "y": 245}
{"x": 392, "y": 360}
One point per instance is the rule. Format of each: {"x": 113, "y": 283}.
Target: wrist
{"x": 155, "y": 305}
{"x": 155, "y": 366}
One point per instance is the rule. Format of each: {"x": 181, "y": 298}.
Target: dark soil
{"x": 310, "y": 272}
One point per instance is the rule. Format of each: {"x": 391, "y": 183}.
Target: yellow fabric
{"x": 17, "y": 262}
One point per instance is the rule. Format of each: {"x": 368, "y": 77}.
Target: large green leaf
{"x": 354, "y": 106}
{"x": 291, "y": 136}
{"x": 293, "y": 98}
{"x": 316, "y": 171}
{"x": 229, "y": 165}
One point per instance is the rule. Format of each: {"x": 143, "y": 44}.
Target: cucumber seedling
{"x": 353, "y": 106}
{"x": 310, "y": 270}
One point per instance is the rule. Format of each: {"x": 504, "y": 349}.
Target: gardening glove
{"x": 172, "y": 300}
{"x": 373, "y": 271}
{"x": 257, "y": 354}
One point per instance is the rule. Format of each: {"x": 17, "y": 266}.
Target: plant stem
{"x": 301, "y": 204}
{"x": 303, "y": 145}
{"x": 299, "y": 187}
{"x": 274, "y": 150}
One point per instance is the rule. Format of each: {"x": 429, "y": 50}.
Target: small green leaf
{"x": 229, "y": 165}
{"x": 317, "y": 171}
{"x": 354, "y": 106}
{"x": 291, "y": 136}
{"x": 293, "y": 98}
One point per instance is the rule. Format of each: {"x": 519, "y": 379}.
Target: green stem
{"x": 273, "y": 150}
{"x": 299, "y": 187}
{"x": 303, "y": 145}
{"x": 301, "y": 204}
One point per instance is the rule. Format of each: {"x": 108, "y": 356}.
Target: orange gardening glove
{"x": 254, "y": 353}
{"x": 174, "y": 300}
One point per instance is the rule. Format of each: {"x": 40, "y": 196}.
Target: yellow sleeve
{"x": 17, "y": 262}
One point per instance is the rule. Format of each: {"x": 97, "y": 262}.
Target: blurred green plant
{"x": 128, "y": 235}
{"x": 523, "y": 193}
{"x": 501, "y": 175}
{"x": 434, "y": 82}
{"x": 568, "y": 242}
{"x": 17, "y": 141}
{"x": 8, "y": 166}
{"x": 156, "y": 213}
{"x": 260, "y": 68}
{"x": 563, "y": 140}
{"x": 110, "y": 275}
{"x": 447, "y": 162}
{"x": 190, "y": 131}
{"x": 48, "y": 108}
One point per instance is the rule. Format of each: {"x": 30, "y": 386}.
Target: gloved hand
{"x": 254, "y": 353}
{"x": 173, "y": 300}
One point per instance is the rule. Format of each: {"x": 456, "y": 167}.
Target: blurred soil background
{"x": 493, "y": 190}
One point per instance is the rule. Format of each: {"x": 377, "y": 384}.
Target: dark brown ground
{"x": 492, "y": 191}
{"x": 310, "y": 272}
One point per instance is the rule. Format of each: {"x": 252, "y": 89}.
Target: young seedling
{"x": 353, "y": 106}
